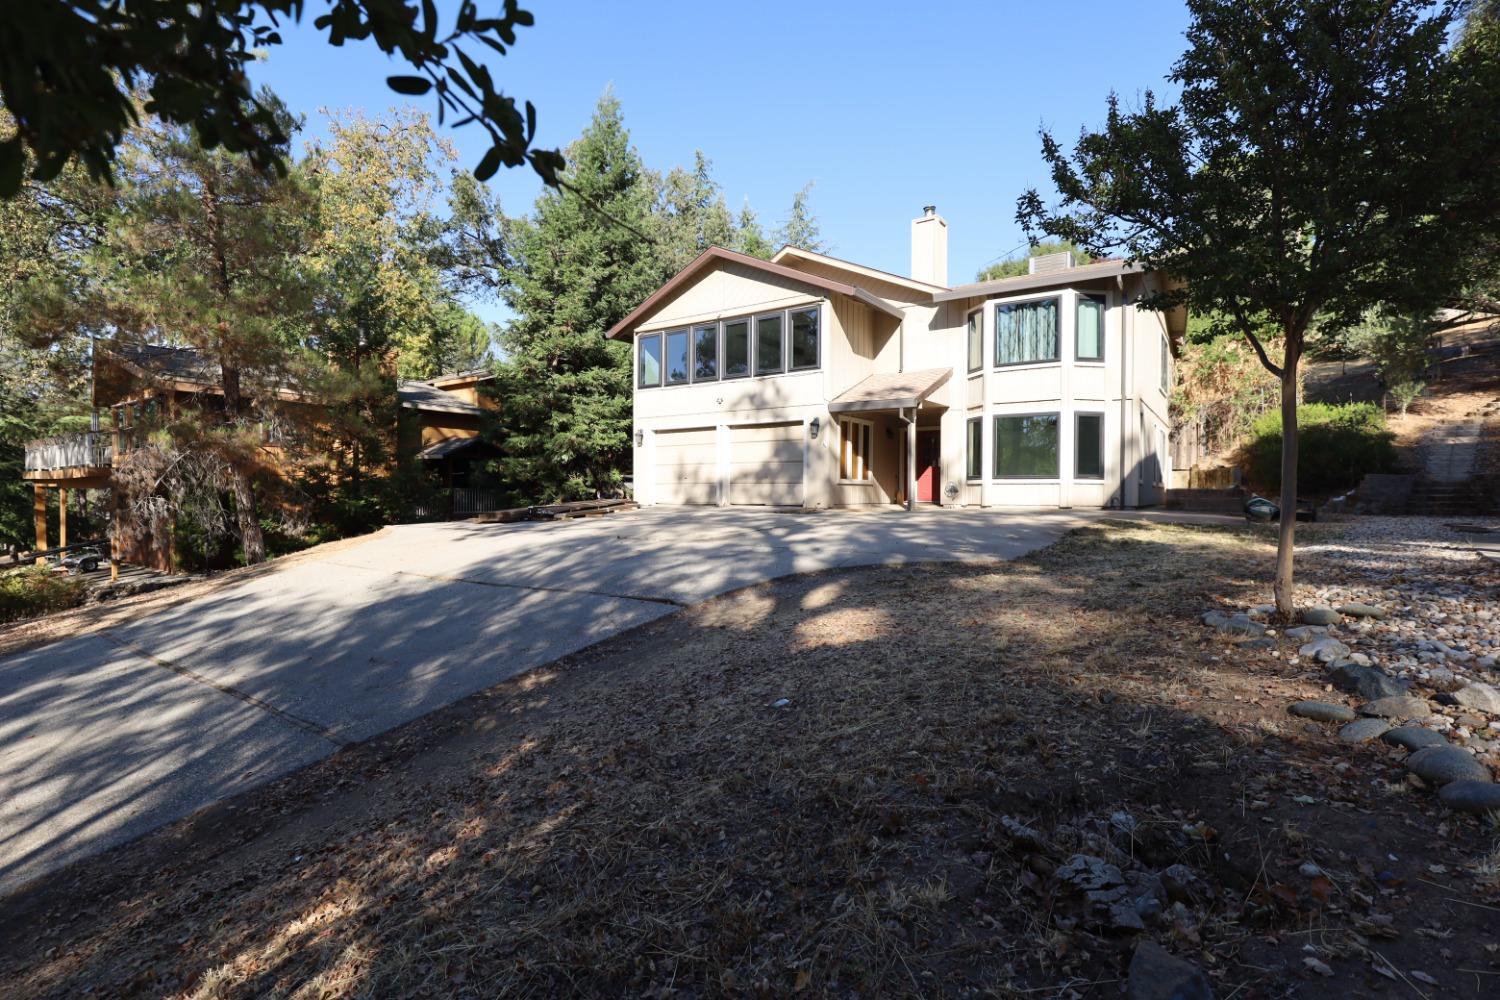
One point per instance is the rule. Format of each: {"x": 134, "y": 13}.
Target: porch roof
{"x": 895, "y": 391}
{"x": 450, "y": 446}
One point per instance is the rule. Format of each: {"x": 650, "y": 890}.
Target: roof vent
{"x": 1051, "y": 263}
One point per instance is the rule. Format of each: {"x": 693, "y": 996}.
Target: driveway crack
{"x": 295, "y": 721}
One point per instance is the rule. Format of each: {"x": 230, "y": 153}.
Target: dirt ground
{"x": 859, "y": 783}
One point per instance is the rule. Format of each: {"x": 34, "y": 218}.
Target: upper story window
{"x": 677, "y": 357}
{"x": 976, "y": 340}
{"x": 1089, "y": 344}
{"x": 1026, "y": 332}
{"x": 764, "y": 344}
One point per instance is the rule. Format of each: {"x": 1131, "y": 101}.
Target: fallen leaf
{"x": 1317, "y": 965}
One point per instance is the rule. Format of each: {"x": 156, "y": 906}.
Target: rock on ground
{"x": 1413, "y": 737}
{"x": 1156, "y": 974}
{"x": 1369, "y": 683}
{"x": 1363, "y": 730}
{"x": 1447, "y": 764}
{"x": 1397, "y": 707}
{"x": 1322, "y": 711}
{"x": 1471, "y": 796}
{"x": 1480, "y": 696}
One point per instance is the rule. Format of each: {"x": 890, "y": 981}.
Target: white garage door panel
{"x": 686, "y": 466}
{"x": 765, "y": 465}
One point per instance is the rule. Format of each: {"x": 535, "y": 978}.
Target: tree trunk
{"x": 251, "y": 540}
{"x": 1285, "y": 601}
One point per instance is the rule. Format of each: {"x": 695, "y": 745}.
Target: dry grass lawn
{"x": 649, "y": 819}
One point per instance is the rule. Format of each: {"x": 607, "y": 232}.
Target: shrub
{"x": 1406, "y": 393}
{"x": 1339, "y": 444}
{"x": 37, "y": 590}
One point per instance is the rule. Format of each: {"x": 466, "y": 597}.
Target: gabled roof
{"x": 717, "y": 255}
{"x": 1030, "y": 282}
{"x": 181, "y": 368}
{"x": 428, "y": 397}
{"x": 893, "y": 391}
{"x": 797, "y": 253}
{"x": 450, "y": 446}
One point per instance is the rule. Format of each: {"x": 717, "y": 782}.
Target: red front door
{"x": 929, "y": 457}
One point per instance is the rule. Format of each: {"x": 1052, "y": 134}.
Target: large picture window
{"x": 1088, "y": 446}
{"x": 976, "y": 340}
{"x": 1026, "y": 446}
{"x": 1090, "y": 332}
{"x": 804, "y": 338}
{"x": 855, "y": 438}
{"x": 736, "y": 348}
{"x": 768, "y": 345}
{"x": 974, "y": 451}
{"x": 1026, "y": 332}
{"x": 705, "y": 353}
{"x": 677, "y": 357}
{"x": 648, "y": 363}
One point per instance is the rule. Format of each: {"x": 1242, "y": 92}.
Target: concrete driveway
{"x": 107, "y": 736}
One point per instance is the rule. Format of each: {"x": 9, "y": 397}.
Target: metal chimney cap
{"x": 929, "y": 210}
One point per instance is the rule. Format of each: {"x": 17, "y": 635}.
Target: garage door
{"x": 687, "y": 466}
{"x": 765, "y": 465}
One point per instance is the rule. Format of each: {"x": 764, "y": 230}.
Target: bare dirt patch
{"x": 859, "y": 783}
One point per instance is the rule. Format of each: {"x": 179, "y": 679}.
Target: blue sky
{"x": 886, "y": 106}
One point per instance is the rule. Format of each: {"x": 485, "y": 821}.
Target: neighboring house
{"x": 134, "y": 387}
{"x": 815, "y": 382}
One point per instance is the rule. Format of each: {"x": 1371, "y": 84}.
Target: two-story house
{"x": 809, "y": 381}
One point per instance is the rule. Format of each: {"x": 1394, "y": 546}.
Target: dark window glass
{"x": 768, "y": 345}
{"x": 705, "y": 353}
{"x": 975, "y": 454}
{"x": 1088, "y": 446}
{"x": 976, "y": 341}
{"x": 805, "y": 338}
{"x": 1090, "y": 328}
{"x": 736, "y": 348}
{"x": 677, "y": 357}
{"x": 650, "y": 361}
{"x": 1026, "y": 332}
{"x": 1026, "y": 446}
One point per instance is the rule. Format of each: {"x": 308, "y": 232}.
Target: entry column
{"x": 39, "y": 514}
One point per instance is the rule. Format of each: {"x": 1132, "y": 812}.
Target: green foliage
{"x": 1340, "y": 444}
{"x": 1019, "y": 264}
{"x": 38, "y": 590}
{"x": 1222, "y": 388}
{"x": 1399, "y": 345}
{"x": 1407, "y": 393}
{"x": 691, "y": 215}
{"x": 801, "y": 227}
{"x": 749, "y": 238}
{"x": 69, "y": 72}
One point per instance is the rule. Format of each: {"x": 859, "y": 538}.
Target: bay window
{"x": 974, "y": 451}
{"x": 976, "y": 340}
{"x": 1026, "y": 332}
{"x": 1026, "y": 446}
{"x": 1088, "y": 446}
{"x": 1089, "y": 344}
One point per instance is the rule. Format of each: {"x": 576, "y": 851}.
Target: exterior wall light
{"x": 813, "y": 428}
{"x": 640, "y": 438}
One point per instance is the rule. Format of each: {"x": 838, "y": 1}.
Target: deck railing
{"x": 88, "y": 450}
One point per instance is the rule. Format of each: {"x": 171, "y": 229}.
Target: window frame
{"x": 1103, "y": 450}
{"x": 666, "y": 339}
{"x": 1166, "y": 365}
{"x": 693, "y": 330}
{"x": 970, "y": 334}
{"x": 867, "y": 436}
{"x": 974, "y": 449}
{"x": 1103, "y": 301}
{"x": 724, "y": 326}
{"x": 1056, "y": 333}
{"x": 755, "y": 365}
{"x": 788, "y": 348}
{"x": 640, "y": 339}
{"x": 1056, "y": 476}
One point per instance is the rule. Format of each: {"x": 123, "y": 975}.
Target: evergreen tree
{"x": 692, "y": 215}
{"x": 749, "y": 238}
{"x": 577, "y": 266}
{"x": 801, "y": 227}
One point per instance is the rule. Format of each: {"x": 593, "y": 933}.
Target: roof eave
{"x": 1036, "y": 282}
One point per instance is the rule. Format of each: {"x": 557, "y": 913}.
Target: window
{"x": 1026, "y": 446}
{"x": 804, "y": 339}
{"x": 706, "y": 353}
{"x": 737, "y": 348}
{"x": 974, "y": 456}
{"x": 768, "y": 353}
{"x": 854, "y": 448}
{"x": 648, "y": 368}
{"x": 976, "y": 340}
{"x": 1166, "y": 366}
{"x": 677, "y": 357}
{"x": 1026, "y": 332}
{"x": 1088, "y": 446}
{"x": 1090, "y": 333}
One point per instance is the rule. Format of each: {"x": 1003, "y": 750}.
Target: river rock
{"x": 1446, "y": 764}
{"x": 1471, "y": 796}
{"x": 1237, "y": 624}
{"x": 1157, "y": 974}
{"x": 1413, "y": 737}
{"x": 1480, "y": 696}
{"x": 1402, "y": 706}
{"x": 1304, "y": 633}
{"x": 1357, "y": 609}
{"x": 1369, "y": 683}
{"x": 1326, "y": 649}
{"x": 1319, "y": 615}
{"x": 1363, "y": 730}
{"x": 1322, "y": 711}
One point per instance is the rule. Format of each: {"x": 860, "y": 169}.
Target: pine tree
{"x": 581, "y": 262}
{"x": 749, "y": 238}
{"x": 692, "y": 215}
{"x": 801, "y": 227}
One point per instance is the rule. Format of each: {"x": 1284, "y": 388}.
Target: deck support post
{"x": 39, "y": 514}
{"x": 911, "y": 458}
{"x": 62, "y": 516}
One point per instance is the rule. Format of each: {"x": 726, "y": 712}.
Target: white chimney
{"x": 929, "y": 247}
